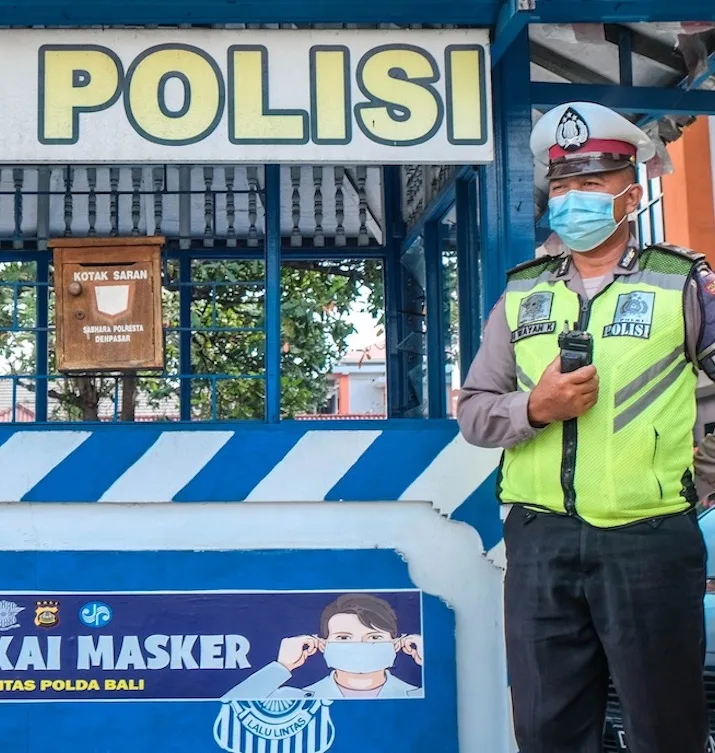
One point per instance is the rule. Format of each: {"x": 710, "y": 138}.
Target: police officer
{"x": 605, "y": 560}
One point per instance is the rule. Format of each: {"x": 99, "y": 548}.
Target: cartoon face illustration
{"x": 359, "y": 640}
{"x": 358, "y": 637}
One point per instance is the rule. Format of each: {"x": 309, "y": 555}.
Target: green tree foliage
{"x": 227, "y": 339}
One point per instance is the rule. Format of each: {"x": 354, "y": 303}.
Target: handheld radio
{"x": 576, "y": 348}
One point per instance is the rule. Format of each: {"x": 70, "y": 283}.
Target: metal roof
{"x": 663, "y": 56}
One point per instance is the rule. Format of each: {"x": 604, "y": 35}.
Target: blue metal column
{"x": 273, "y": 293}
{"x": 434, "y": 294}
{"x": 395, "y": 330}
{"x": 506, "y": 187}
{"x": 42, "y": 292}
{"x": 185, "y": 339}
{"x": 185, "y": 334}
{"x": 469, "y": 273}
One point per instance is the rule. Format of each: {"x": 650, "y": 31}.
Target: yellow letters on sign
{"x": 250, "y": 119}
{"x": 73, "y": 80}
{"x": 146, "y": 97}
{"x": 330, "y": 95}
{"x": 465, "y": 94}
{"x": 352, "y": 91}
{"x": 403, "y": 108}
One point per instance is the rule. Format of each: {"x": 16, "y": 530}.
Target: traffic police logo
{"x": 303, "y": 726}
{"x": 572, "y": 131}
{"x": 8, "y": 615}
{"x": 47, "y": 614}
{"x": 633, "y": 316}
{"x": 534, "y": 311}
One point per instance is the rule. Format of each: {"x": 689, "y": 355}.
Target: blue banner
{"x": 286, "y": 648}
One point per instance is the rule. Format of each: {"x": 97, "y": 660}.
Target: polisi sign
{"x": 247, "y": 96}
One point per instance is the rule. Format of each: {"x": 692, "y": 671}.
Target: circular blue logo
{"x": 95, "y": 614}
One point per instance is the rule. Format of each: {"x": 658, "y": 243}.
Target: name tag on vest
{"x": 529, "y": 330}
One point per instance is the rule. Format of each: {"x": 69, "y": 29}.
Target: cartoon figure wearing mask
{"x": 359, "y": 640}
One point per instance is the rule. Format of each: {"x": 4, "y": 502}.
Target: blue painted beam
{"x": 395, "y": 321}
{"x": 434, "y": 280}
{"x": 174, "y": 12}
{"x": 185, "y": 338}
{"x": 506, "y": 187}
{"x": 686, "y": 85}
{"x": 641, "y": 99}
{"x": 621, "y": 11}
{"x": 41, "y": 343}
{"x": 273, "y": 294}
{"x": 469, "y": 272}
{"x": 514, "y": 16}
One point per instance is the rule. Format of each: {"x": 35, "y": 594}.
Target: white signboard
{"x": 252, "y": 96}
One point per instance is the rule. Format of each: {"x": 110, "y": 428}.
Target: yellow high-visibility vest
{"x": 630, "y": 456}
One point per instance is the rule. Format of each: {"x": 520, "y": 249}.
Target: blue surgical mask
{"x": 359, "y": 658}
{"x": 584, "y": 219}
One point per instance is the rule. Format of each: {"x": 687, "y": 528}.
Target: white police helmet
{"x": 577, "y": 138}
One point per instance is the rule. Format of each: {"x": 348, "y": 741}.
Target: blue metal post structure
{"x": 646, "y": 99}
{"x": 513, "y": 19}
{"x": 395, "y": 330}
{"x": 506, "y": 187}
{"x": 185, "y": 336}
{"x": 42, "y": 294}
{"x": 273, "y": 293}
{"x": 434, "y": 293}
{"x": 625, "y": 57}
{"x": 469, "y": 273}
{"x": 42, "y": 291}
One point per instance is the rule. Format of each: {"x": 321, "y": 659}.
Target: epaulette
{"x": 539, "y": 261}
{"x": 681, "y": 251}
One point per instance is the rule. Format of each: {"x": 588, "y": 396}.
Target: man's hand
{"x": 294, "y": 652}
{"x": 559, "y": 397}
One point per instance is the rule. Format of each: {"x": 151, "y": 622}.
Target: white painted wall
{"x": 366, "y": 386}
{"x": 367, "y": 391}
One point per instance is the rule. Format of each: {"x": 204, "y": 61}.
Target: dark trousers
{"x": 582, "y": 601}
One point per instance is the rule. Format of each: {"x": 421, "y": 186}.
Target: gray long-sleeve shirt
{"x": 491, "y": 411}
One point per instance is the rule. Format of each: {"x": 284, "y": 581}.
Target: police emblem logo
{"x": 299, "y": 725}
{"x": 47, "y": 614}
{"x": 8, "y": 615}
{"x": 535, "y": 308}
{"x": 534, "y": 312}
{"x": 633, "y": 316}
{"x": 571, "y": 132}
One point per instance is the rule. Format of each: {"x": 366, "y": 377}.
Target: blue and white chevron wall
{"x": 292, "y": 462}
{"x": 201, "y": 542}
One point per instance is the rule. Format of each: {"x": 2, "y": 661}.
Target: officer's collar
{"x": 627, "y": 264}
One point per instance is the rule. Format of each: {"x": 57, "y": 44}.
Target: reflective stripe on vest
{"x": 630, "y": 456}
